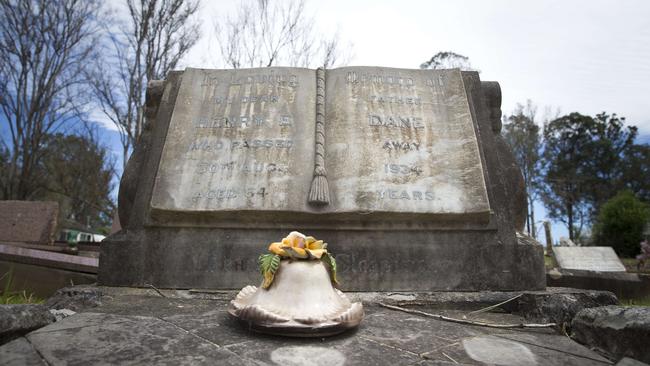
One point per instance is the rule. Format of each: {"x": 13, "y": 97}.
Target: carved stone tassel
{"x": 319, "y": 194}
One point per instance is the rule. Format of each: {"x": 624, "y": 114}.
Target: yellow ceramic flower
{"x": 299, "y": 246}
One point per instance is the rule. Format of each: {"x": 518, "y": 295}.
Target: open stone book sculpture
{"x": 404, "y": 171}
{"x": 297, "y": 296}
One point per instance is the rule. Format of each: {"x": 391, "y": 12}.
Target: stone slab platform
{"x": 147, "y": 326}
{"x": 623, "y": 285}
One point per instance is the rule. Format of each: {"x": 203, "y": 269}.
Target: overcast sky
{"x": 585, "y": 56}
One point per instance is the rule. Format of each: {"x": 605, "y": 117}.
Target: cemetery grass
{"x": 21, "y": 297}
{"x": 9, "y": 296}
{"x": 631, "y": 265}
{"x": 645, "y": 302}
{"x": 549, "y": 262}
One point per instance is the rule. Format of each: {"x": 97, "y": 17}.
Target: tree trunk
{"x": 549, "y": 239}
{"x": 125, "y": 156}
{"x": 569, "y": 210}
{"x": 10, "y": 193}
{"x": 532, "y": 218}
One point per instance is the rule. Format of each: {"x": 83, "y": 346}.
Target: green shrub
{"x": 620, "y": 224}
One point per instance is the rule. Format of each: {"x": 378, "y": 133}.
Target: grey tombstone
{"x": 403, "y": 172}
{"x": 28, "y": 221}
{"x": 599, "y": 259}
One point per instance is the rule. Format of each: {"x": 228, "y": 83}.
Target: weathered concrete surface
{"x": 107, "y": 339}
{"x": 618, "y": 330}
{"x": 598, "y": 259}
{"x": 75, "y": 298}
{"x": 558, "y": 305}
{"x": 20, "y": 352}
{"x": 141, "y": 327}
{"x": 28, "y": 221}
{"x": 18, "y": 320}
{"x": 60, "y": 314}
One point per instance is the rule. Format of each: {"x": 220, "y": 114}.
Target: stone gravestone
{"x": 403, "y": 172}
{"x": 599, "y": 259}
{"x": 566, "y": 242}
{"x": 28, "y": 221}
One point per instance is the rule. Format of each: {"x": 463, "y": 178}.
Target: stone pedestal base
{"x": 367, "y": 260}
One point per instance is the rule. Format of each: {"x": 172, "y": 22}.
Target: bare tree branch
{"x": 45, "y": 47}
{"x": 264, "y": 33}
{"x": 469, "y": 322}
{"x": 153, "y": 41}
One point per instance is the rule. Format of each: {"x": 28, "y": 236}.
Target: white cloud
{"x": 586, "y": 56}
{"x": 102, "y": 120}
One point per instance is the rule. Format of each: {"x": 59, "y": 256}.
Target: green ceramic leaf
{"x": 269, "y": 264}
{"x": 331, "y": 263}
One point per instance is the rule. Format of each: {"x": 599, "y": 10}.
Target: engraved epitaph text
{"x": 239, "y": 140}
{"x": 402, "y": 141}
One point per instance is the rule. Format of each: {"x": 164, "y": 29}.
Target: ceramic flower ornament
{"x": 295, "y": 246}
{"x": 297, "y": 295}
{"x": 298, "y": 246}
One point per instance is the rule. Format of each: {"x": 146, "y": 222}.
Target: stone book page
{"x": 402, "y": 141}
{"x": 239, "y": 140}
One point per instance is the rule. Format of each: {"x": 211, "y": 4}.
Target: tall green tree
{"x": 636, "y": 175}
{"x": 523, "y": 135}
{"x": 78, "y": 174}
{"x": 606, "y": 167}
{"x": 621, "y": 222}
{"x": 448, "y": 60}
{"x": 565, "y": 139}
{"x": 584, "y": 162}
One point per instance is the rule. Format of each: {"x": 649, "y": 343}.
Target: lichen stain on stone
{"x": 307, "y": 355}
{"x": 495, "y": 351}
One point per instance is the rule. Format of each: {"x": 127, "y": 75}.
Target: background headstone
{"x": 599, "y": 259}
{"x": 28, "y": 221}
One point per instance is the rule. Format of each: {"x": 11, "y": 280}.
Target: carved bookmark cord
{"x": 319, "y": 194}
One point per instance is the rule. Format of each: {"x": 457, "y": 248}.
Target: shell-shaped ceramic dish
{"x": 301, "y": 302}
